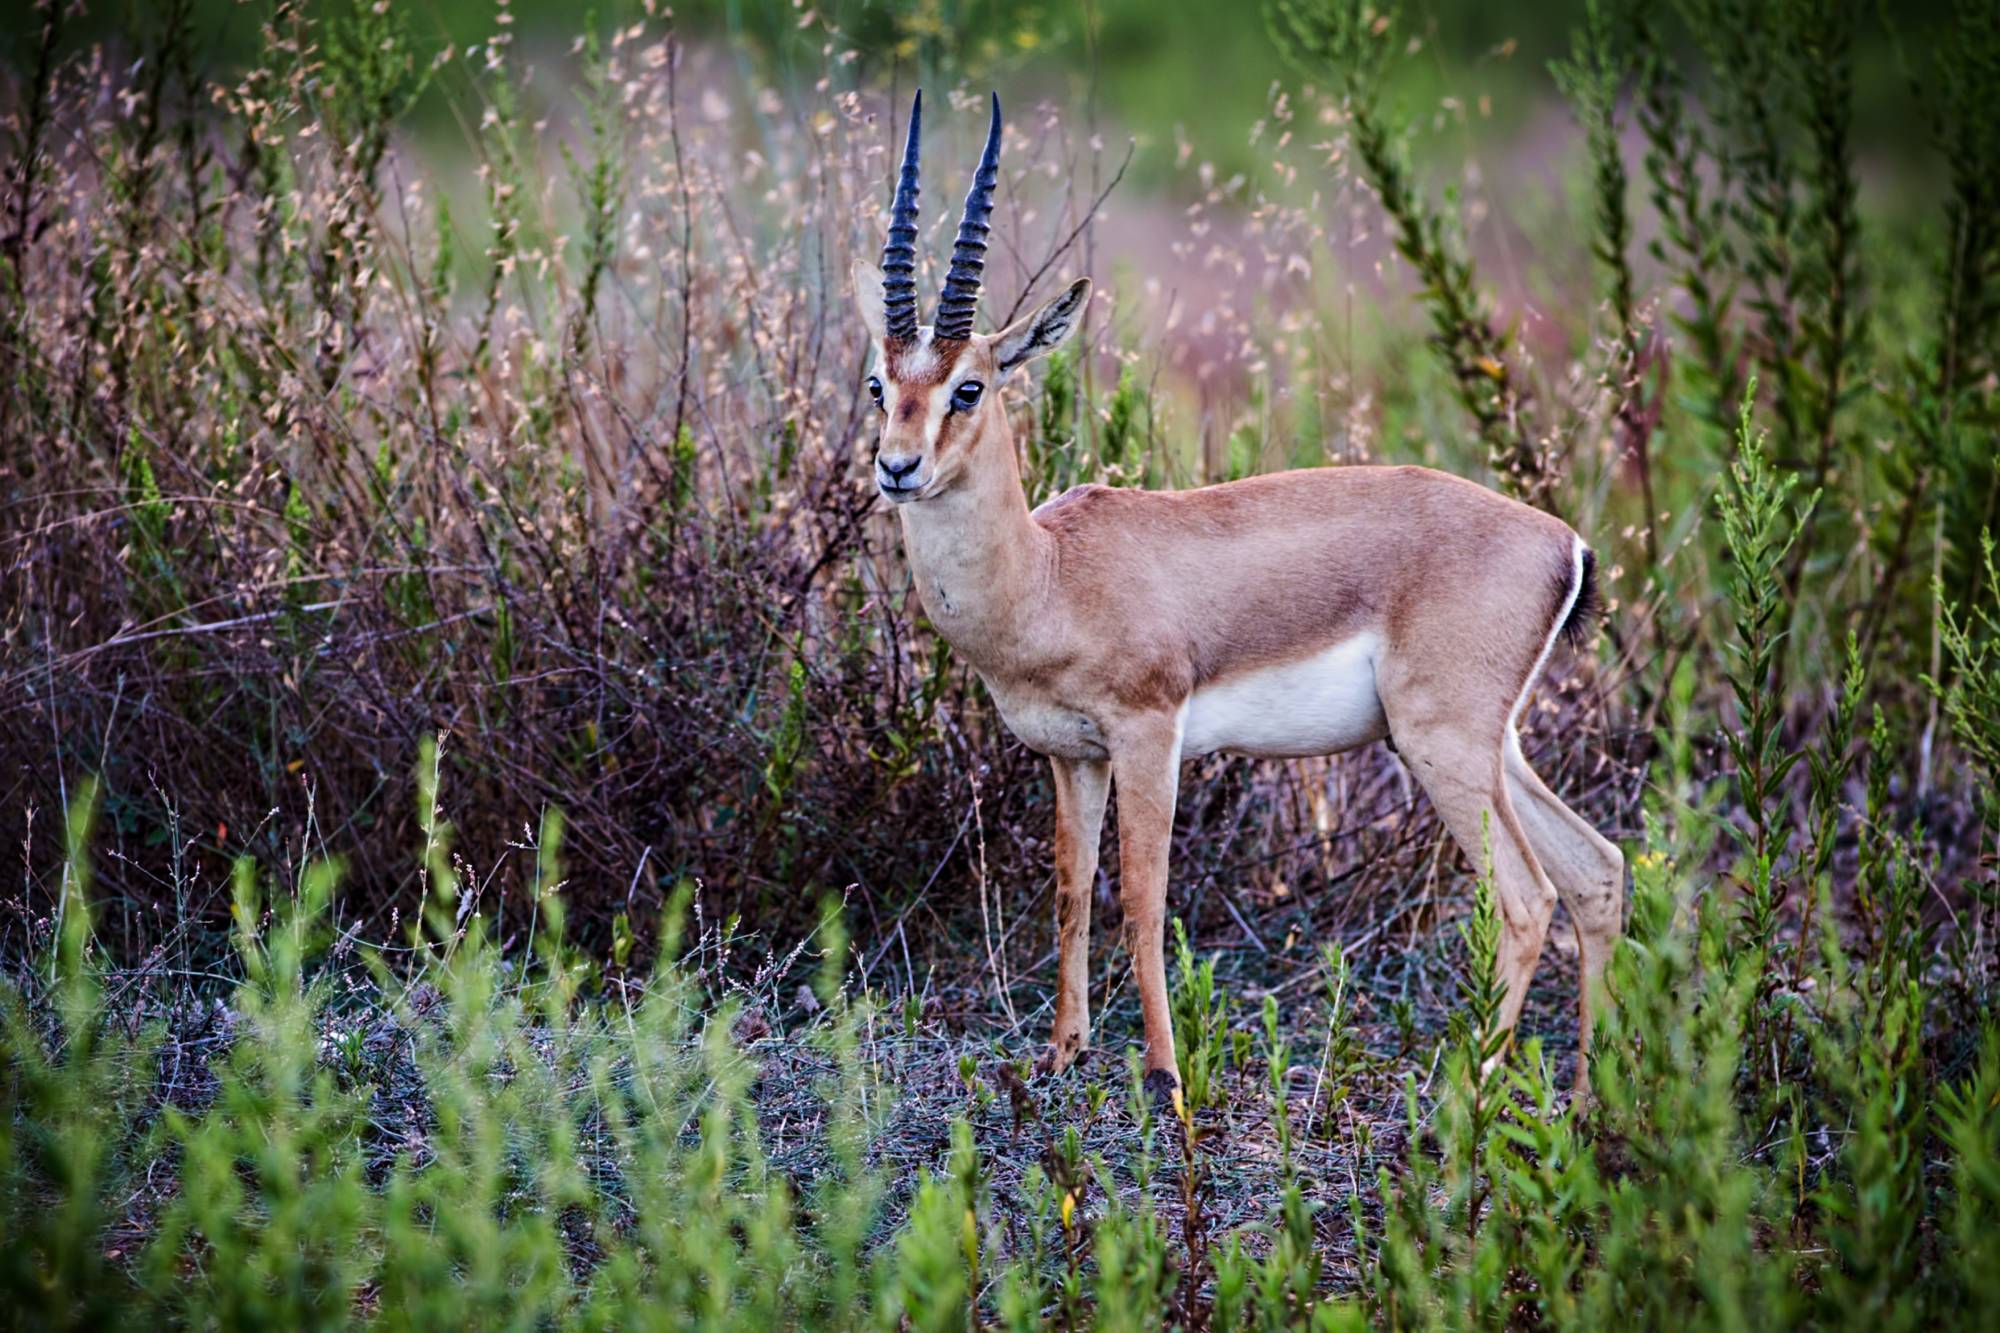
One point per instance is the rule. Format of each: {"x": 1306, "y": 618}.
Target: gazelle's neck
{"x": 982, "y": 563}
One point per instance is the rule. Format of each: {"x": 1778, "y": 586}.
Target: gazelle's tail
{"x": 1583, "y": 606}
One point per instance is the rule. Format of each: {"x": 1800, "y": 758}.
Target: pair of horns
{"x": 968, "y": 253}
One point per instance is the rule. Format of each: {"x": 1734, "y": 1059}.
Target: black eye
{"x": 966, "y": 396}
{"x": 875, "y": 388}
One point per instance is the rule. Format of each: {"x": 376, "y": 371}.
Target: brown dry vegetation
{"x": 306, "y": 470}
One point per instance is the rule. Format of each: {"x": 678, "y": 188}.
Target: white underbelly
{"x": 1321, "y": 704}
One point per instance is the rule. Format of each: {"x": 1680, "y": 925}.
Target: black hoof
{"x": 1160, "y": 1085}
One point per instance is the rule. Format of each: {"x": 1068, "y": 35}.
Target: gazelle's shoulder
{"x": 1074, "y": 503}
{"x": 1094, "y": 516}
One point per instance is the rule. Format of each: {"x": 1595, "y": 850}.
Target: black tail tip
{"x": 1583, "y": 611}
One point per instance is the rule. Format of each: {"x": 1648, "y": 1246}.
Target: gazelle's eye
{"x": 966, "y": 396}
{"x": 875, "y": 388}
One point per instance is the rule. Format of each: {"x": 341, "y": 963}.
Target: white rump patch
{"x": 1321, "y": 704}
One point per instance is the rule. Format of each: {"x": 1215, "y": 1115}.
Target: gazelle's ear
{"x": 1042, "y": 331}
{"x": 868, "y": 298}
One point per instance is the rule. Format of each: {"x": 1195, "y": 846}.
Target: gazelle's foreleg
{"x": 1145, "y": 766}
{"x": 1081, "y": 788}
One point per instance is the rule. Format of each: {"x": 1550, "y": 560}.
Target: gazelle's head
{"x": 936, "y": 386}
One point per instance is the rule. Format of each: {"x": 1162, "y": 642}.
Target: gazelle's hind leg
{"x": 1451, "y": 702}
{"x": 1588, "y": 873}
{"x": 1457, "y": 758}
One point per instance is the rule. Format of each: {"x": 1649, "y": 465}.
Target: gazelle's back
{"x": 1270, "y": 570}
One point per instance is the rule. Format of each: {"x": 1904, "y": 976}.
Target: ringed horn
{"x": 960, "y": 298}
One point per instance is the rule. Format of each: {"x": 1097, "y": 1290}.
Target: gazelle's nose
{"x": 900, "y": 477}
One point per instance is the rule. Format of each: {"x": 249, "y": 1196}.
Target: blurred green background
{"x": 1200, "y": 72}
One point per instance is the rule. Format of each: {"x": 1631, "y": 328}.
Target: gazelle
{"x": 1301, "y": 613}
